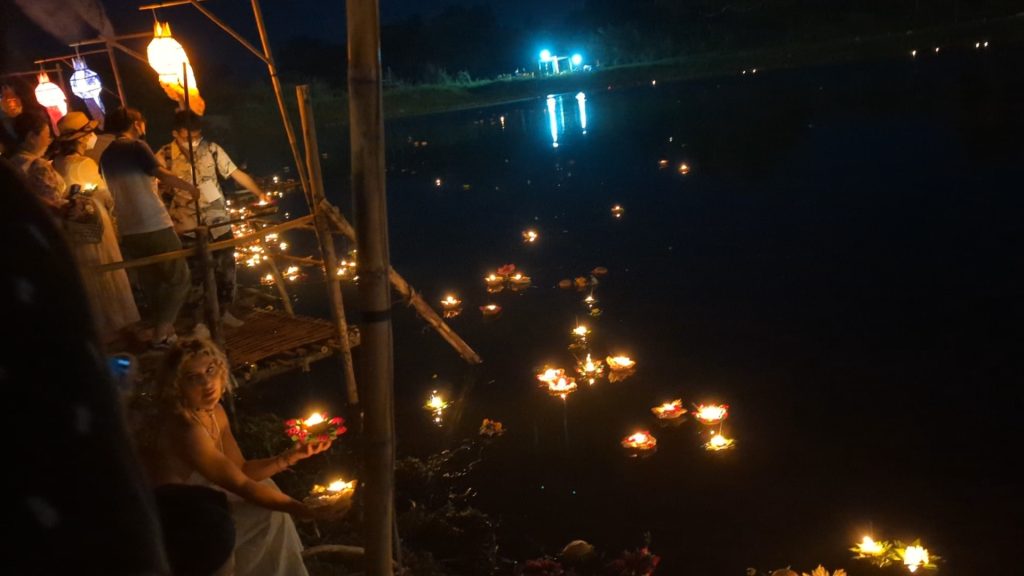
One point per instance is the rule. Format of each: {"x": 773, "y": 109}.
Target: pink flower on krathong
{"x": 506, "y": 270}
{"x": 336, "y": 421}
{"x": 324, "y": 438}
{"x": 293, "y": 431}
{"x": 292, "y": 422}
{"x": 342, "y": 430}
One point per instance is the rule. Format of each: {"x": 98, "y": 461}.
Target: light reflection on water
{"x": 556, "y": 116}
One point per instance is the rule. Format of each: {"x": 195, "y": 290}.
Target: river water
{"x": 836, "y": 267}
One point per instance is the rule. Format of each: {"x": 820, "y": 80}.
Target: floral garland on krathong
{"x": 314, "y": 429}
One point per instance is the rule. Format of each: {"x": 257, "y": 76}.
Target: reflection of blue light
{"x": 545, "y": 55}
{"x": 577, "y": 59}
{"x": 581, "y": 99}
{"x": 553, "y": 121}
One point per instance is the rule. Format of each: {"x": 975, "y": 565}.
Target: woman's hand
{"x": 303, "y": 451}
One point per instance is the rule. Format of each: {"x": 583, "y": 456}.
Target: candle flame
{"x": 530, "y": 236}
{"x": 436, "y": 402}
{"x": 549, "y": 375}
{"x": 581, "y": 331}
{"x": 640, "y": 440}
{"x": 684, "y": 168}
{"x": 868, "y": 547}
{"x": 450, "y": 301}
{"x": 562, "y": 387}
{"x": 669, "y": 410}
{"x": 314, "y": 419}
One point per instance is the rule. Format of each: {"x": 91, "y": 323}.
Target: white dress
{"x": 266, "y": 543}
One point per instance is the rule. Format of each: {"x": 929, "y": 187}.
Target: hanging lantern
{"x": 169, "y": 60}
{"x": 85, "y": 83}
{"x": 51, "y": 96}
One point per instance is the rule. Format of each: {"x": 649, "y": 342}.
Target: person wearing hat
{"x": 110, "y": 294}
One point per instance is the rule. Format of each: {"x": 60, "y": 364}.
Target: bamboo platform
{"x": 272, "y": 342}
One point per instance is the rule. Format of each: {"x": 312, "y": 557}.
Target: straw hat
{"x": 74, "y": 125}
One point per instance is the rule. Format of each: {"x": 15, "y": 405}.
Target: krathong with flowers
{"x": 451, "y": 306}
{"x": 436, "y": 404}
{"x": 590, "y": 369}
{"x": 711, "y": 414}
{"x": 315, "y": 428}
{"x": 547, "y": 375}
{"x": 621, "y": 367}
{"x": 562, "y": 387}
{"x": 669, "y": 410}
{"x": 335, "y": 491}
{"x": 640, "y": 443}
{"x": 718, "y": 442}
{"x": 530, "y": 236}
{"x": 490, "y": 310}
{"x": 883, "y": 553}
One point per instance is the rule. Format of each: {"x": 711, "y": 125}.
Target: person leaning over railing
{"x": 131, "y": 171}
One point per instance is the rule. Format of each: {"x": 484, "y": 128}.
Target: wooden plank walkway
{"x": 269, "y": 333}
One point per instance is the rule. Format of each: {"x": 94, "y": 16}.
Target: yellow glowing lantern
{"x": 669, "y": 410}
{"x": 719, "y": 442}
{"x": 50, "y": 96}
{"x": 711, "y": 414}
{"x": 530, "y": 236}
{"x": 915, "y": 557}
{"x": 168, "y": 58}
{"x": 590, "y": 369}
{"x": 640, "y": 442}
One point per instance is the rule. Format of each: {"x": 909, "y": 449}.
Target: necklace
{"x": 213, "y": 434}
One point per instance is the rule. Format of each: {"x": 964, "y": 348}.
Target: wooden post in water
{"x": 411, "y": 296}
{"x": 323, "y": 233}
{"x": 289, "y": 131}
{"x": 286, "y": 300}
{"x": 366, "y": 130}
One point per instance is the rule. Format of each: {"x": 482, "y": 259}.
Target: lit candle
{"x": 868, "y": 547}
{"x": 519, "y": 281}
{"x": 711, "y": 414}
{"x": 450, "y": 302}
{"x": 620, "y": 363}
{"x": 490, "y": 309}
{"x": 334, "y": 492}
{"x": 580, "y": 332}
{"x": 437, "y": 405}
{"x": 618, "y": 211}
{"x": 549, "y": 375}
{"x": 684, "y": 168}
{"x": 530, "y": 236}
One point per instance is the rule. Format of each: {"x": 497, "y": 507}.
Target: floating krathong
{"x": 451, "y": 306}
{"x": 684, "y": 168}
{"x": 562, "y": 387}
{"x": 494, "y": 283}
{"x": 621, "y": 367}
{"x": 530, "y": 236}
{"x": 581, "y": 332}
{"x": 719, "y": 442}
{"x": 490, "y": 310}
{"x": 640, "y": 443}
{"x": 711, "y": 414}
{"x": 669, "y": 410}
{"x": 519, "y": 281}
{"x": 915, "y": 557}
{"x": 590, "y": 370}
{"x": 336, "y": 492}
{"x": 869, "y": 548}
{"x": 437, "y": 405}
{"x": 662, "y": 164}
{"x": 618, "y": 211}
{"x": 315, "y": 428}
{"x": 549, "y": 375}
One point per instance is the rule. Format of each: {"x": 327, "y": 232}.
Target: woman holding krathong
{"x": 193, "y": 444}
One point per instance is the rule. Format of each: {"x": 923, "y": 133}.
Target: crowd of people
{"x": 167, "y": 491}
{"x": 118, "y": 200}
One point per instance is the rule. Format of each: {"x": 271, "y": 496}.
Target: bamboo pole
{"x": 268, "y": 57}
{"x": 117, "y": 75}
{"x": 323, "y": 233}
{"x": 279, "y": 284}
{"x": 409, "y": 294}
{"x": 366, "y": 130}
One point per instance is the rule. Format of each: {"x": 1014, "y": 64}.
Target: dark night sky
{"x": 24, "y": 41}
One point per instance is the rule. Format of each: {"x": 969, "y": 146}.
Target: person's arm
{"x": 263, "y": 468}
{"x": 199, "y": 451}
{"x": 155, "y": 168}
{"x": 249, "y": 184}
